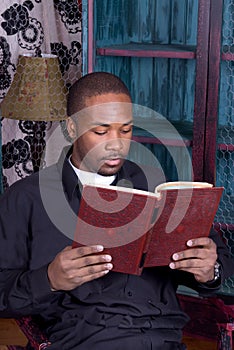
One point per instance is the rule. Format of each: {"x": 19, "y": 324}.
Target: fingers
{"x": 75, "y": 253}
{"x": 86, "y": 264}
{"x": 202, "y": 269}
{"x": 78, "y": 276}
{"x": 83, "y": 258}
{"x": 202, "y": 241}
{"x": 73, "y": 267}
{"x": 198, "y": 259}
{"x": 199, "y": 248}
{"x": 84, "y": 274}
{"x": 192, "y": 264}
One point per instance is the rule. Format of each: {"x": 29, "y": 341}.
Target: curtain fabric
{"x": 35, "y": 27}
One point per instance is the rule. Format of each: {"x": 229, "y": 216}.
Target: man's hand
{"x": 199, "y": 259}
{"x": 73, "y": 267}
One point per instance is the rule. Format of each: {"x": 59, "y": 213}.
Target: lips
{"x": 113, "y": 161}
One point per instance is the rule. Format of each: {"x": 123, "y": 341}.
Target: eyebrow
{"x": 130, "y": 122}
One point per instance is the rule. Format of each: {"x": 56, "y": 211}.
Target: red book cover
{"x": 143, "y": 229}
{"x": 183, "y": 214}
{"x": 119, "y": 219}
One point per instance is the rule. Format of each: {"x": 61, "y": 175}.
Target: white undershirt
{"x": 87, "y": 177}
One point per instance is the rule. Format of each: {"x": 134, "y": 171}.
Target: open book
{"x": 143, "y": 229}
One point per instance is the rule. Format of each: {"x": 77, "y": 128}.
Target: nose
{"x": 114, "y": 144}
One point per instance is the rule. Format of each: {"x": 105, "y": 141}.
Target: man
{"x": 82, "y": 303}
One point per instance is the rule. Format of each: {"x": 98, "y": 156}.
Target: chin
{"x": 109, "y": 171}
{"x": 106, "y": 170}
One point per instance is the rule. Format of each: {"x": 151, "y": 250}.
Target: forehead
{"x": 106, "y": 109}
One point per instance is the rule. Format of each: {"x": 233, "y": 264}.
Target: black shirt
{"x": 37, "y": 220}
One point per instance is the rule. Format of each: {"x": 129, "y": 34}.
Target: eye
{"x": 126, "y": 129}
{"x": 100, "y": 131}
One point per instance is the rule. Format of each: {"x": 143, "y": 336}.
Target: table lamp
{"x": 37, "y": 93}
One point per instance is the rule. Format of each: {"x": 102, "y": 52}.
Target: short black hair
{"x": 93, "y": 84}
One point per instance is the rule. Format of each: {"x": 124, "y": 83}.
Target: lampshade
{"x": 37, "y": 91}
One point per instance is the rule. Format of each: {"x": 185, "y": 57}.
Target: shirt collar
{"x": 87, "y": 177}
{"x": 69, "y": 176}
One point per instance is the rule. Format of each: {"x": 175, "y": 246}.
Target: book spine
{"x": 148, "y": 235}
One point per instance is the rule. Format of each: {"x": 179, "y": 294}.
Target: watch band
{"x": 216, "y": 270}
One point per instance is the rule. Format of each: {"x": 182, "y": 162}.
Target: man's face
{"x": 103, "y": 132}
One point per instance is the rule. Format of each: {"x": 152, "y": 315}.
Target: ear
{"x": 71, "y": 128}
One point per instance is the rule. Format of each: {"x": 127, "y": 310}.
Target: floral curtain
{"x": 35, "y": 27}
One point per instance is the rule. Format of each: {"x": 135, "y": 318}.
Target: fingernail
{"x": 99, "y": 248}
{"x": 109, "y": 266}
{"x": 107, "y": 258}
{"x": 190, "y": 243}
{"x": 172, "y": 266}
{"x": 175, "y": 256}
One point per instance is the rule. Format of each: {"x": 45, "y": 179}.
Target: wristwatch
{"x": 216, "y": 271}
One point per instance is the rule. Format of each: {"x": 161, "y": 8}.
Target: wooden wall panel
{"x": 166, "y": 85}
{"x": 162, "y": 21}
{"x": 111, "y": 22}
